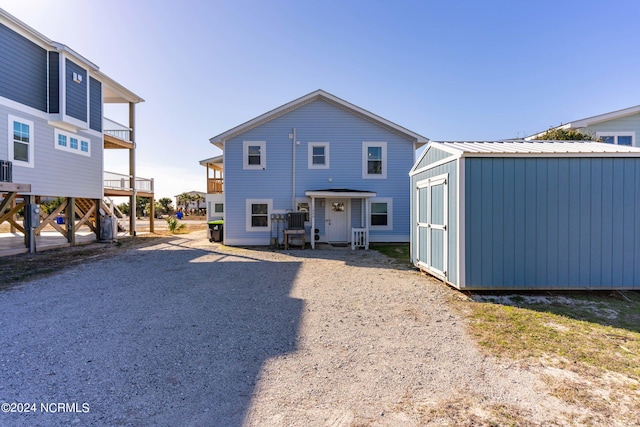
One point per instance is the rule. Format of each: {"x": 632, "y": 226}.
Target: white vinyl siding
{"x": 21, "y": 141}
{"x": 254, "y": 155}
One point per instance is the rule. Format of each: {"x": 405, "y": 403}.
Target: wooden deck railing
{"x": 214, "y": 185}
{"x": 116, "y": 129}
{"x": 117, "y": 181}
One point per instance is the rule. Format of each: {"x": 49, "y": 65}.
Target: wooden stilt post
{"x": 71, "y": 221}
{"x": 12, "y": 205}
{"x": 98, "y": 223}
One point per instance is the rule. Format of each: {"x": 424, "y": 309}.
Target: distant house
{"x": 196, "y": 200}
{"x": 620, "y": 127}
{"x": 344, "y": 167}
{"x": 53, "y": 132}
{"x": 516, "y": 215}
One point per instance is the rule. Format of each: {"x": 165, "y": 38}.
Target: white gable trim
{"x": 297, "y": 103}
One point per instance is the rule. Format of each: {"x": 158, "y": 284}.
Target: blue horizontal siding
{"x": 95, "y": 105}
{"x": 76, "y": 93}
{"x": 23, "y": 70}
{"x": 317, "y": 121}
{"x": 54, "y": 82}
{"x": 540, "y": 223}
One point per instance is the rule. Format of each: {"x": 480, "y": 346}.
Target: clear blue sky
{"x": 449, "y": 70}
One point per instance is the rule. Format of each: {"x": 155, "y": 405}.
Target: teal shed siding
{"x": 345, "y": 132}
{"x": 527, "y": 222}
{"x": 552, "y": 223}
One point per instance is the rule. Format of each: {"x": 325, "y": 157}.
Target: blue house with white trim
{"x": 527, "y": 215}
{"x": 343, "y": 165}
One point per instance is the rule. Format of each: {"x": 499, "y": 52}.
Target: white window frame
{"x": 365, "y": 160}
{"x": 615, "y": 136}
{"x": 249, "y": 203}
{"x": 310, "y": 148}
{"x": 30, "y": 163}
{"x": 263, "y": 155}
{"x": 68, "y": 148}
{"x": 389, "y": 202}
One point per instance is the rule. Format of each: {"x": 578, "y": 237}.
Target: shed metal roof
{"x": 536, "y": 148}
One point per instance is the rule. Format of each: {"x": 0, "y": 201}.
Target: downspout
{"x": 293, "y": 173}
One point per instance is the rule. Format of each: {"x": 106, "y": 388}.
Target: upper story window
{"x": 72, "y": 143}
{"x": 254, "y": 155}
{"x": 318, "y": 155}
{"x": 619, "y": 138}
{"x": 374, "y": 160}
{"x": 21, "y": 141}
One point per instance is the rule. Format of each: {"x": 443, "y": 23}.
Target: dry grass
{"x": 586, "y": 347}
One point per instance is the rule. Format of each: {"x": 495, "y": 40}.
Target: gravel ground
{"x": 191, "y": 333}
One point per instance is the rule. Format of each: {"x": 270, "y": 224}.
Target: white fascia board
{"x": 216, "y": 159}
{"x": 23, "y": 29}
{"x": 456, "y": 153}
{"x": 606, "y": 117}
{"x": 123, "y": 94}
{"x": 589, "y": 121}
{"x": 68, "y": 52}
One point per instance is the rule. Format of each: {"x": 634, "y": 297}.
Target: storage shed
{"x": 527, "y": 215}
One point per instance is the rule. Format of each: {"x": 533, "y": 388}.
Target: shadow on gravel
{"x": 168, "y": 335}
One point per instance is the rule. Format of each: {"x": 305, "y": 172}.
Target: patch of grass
{"x": 522, "y": 332}
{"x": 398, "y": 252}
{"x": 588, "y": 345}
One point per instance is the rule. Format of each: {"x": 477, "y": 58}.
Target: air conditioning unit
{"x": 6, "y": 171}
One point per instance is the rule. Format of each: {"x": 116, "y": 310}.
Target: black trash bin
{"x": 215, "y": 230}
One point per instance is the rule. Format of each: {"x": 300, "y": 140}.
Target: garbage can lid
{"x": 218, "y": 221}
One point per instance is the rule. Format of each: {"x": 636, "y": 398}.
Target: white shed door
{"x": 431, "y": 243}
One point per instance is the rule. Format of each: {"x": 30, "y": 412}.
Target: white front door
{"x": 336, "y": 211}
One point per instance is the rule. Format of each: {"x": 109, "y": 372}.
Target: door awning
{"x": 337, "y": 193}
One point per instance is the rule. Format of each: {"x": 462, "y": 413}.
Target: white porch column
{"x": 313, "y": 223}
{"x": 366, "y": 217}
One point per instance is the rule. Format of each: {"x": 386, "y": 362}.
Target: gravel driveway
{"x": 191, "y": 333}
